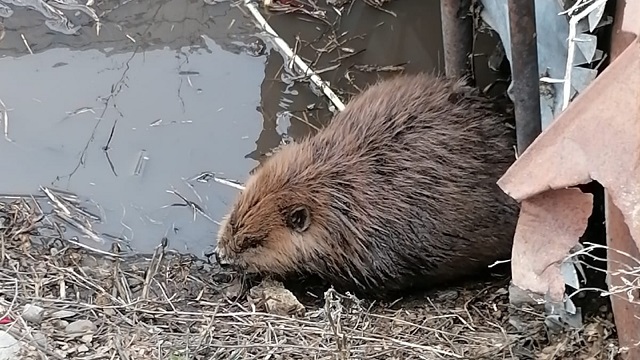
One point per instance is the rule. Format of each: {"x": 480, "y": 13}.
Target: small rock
{"x": 336, "y": 3}
{"x": 89, "y": 261}
{"x": 83, "y": 348}
{"x": 87, "y": 339}
{"x": 60, "y": 353}
{"x": 59, "y": 324}
{"x": 276, "y": 299}
{"x": 222, "y": 277}
{"x": 9, "y": 347}
{"x": 32, "y": 313}
{"x": 502, "y": 291}
{"x": 80, "y": 327}
{"x": 447, "y": 295}
{"x": 233, "y": 291}
{"x": 520, "y": 297}
{"x": 63, "y": 314}
{"x": 518, "y": 323}
{"x": 40, "y": 339}
{"x": 133, "y": 282}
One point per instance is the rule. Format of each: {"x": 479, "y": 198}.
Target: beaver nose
{"x": 220, "y": 259}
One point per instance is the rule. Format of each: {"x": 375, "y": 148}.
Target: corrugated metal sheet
{"x": 552, "y": 34}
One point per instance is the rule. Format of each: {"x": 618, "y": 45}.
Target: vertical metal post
{"x": 525, "y": 75}
{"x": 457, "y": 36}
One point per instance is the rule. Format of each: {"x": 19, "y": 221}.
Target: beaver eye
{"x": 252, "y": 242}
{"x": 299, "y": 219}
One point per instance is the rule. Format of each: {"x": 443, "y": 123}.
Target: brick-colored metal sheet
{"x": 536, "y": 261}
{"x": 596, "y": 138}
{"x": 626, "y": 313}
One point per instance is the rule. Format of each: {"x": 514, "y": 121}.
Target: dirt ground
{"x": 62, "y": 301}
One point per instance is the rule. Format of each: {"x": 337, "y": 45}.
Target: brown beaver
{"x": 398, "y": 191}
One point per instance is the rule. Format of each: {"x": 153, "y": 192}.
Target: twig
{"x": 5, "y": 120}
{"x": 573, "y": 24}
{"x": 293, "y": 58}
{"x": 26, "y": 44}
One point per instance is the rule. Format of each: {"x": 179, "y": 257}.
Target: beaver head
{"x": 281, "y": 220}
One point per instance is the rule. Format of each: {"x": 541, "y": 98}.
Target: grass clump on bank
{"x": 62, "y": 301}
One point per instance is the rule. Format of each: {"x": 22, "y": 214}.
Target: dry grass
{"x": 168, "y": 306}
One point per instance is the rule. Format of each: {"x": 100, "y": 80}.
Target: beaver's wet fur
{"x": 398, "y": 192}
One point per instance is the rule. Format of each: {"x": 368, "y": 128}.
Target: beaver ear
{"x": 299, "y": 218}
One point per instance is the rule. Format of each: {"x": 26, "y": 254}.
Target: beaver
{"x": 397, "y": 192}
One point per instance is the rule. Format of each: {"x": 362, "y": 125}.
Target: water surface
{"x": 136, "y": 119}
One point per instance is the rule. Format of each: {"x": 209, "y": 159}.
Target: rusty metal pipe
{"x": 457, "y": 36}
{"x": 525, "y": 75}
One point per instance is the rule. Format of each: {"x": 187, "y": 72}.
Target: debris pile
{"x": 62, "y": 301}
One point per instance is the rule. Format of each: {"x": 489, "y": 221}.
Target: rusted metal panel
{"x": 582, "y": 143}
{"x": 565, "y": 214}
{"x": 524, "y": 64}
{"x": 625, "y": 312}
{"x": 596, "y": 138}
{"x": 457, "y": 36}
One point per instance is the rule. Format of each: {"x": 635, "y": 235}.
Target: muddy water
{"x": 170, "y": 90}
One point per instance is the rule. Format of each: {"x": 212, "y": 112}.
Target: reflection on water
{"x": 182, "y": 93}
{"x": 169, "y": 90}
{"x": 412, "y": 39}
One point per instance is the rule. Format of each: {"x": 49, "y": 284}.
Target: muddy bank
{"x": 60, "y": 301}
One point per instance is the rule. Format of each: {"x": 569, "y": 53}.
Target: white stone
{"x": 9, "y": 347}
{"x": 63, "y": 314}
{"x": 80, "y": 327}
{"x": 32, "y": 313}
